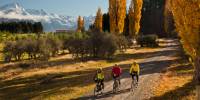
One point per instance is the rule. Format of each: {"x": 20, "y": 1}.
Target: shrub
{"x": 122, "y": 42}
{"x": 147, "y": 40}
{"x": 55, "y": 44}
{"x": 44, "y": 48}
{"x": 19, "y": 49}
{"x": 109, "y": 45}
{"x": 32, "y": 48}
{"x": 8, "y": 50}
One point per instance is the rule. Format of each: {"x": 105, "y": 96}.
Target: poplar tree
{"x": 80, "y": 24}
{"x": 135, "y": 17}
{"x": 187, "y": 21}
{"x": 98, "y": 20}
{"x": 117, "y": 14}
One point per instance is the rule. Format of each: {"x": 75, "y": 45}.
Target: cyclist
{"x": 116, "y": 73}
{"x": 99, "y": 77}
{"x": 135, "y": 70}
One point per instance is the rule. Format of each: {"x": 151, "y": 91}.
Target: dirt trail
{"x": 150, "y": 74}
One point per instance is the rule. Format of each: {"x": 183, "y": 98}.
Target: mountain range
{"x": 50, "y": 21}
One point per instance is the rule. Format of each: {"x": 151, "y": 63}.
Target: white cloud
{"x": 14, "y": 15}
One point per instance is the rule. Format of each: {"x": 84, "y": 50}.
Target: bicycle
{"x": 98, "y": 89}
{"x": 134, "y": 83}
{"x": 116, "y": 85}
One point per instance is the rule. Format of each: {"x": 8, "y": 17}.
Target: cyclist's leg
{"x": 102, "y": 83}
{"x": 137, "y": 76}
{"x": 132, "y": 75}
{"x": 119, "y": 80}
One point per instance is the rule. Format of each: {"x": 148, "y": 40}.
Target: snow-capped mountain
{"x": 50, "y": 21}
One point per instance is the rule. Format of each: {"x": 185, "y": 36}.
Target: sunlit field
{"x": 100, "y": 50}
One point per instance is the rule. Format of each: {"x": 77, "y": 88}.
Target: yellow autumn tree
{"x": 187, "y": 21}
{"x": 134, "y": 17}
{"x": 98, "y": 21}
{"x": 80, "y": 24}
{"x": 117, "y": 13}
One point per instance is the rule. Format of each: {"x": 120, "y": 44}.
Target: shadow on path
{"x": 178, "y": 93}
{"x": 104, "y": 95}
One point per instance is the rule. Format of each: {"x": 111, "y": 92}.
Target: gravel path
{"x": 150, "y": 74}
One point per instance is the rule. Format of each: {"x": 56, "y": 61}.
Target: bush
{"x": 109, "y": 45}
{"x": 147, "y": 40}
{"x": 44, "y": 48}
{"x": 32, "y": 48}
{"x": 55, "y": 44}
{"x": 122, "y": 42}
{"x": 95, "y": 45}
{"x": 8, "y": 50}
{"x": 80, "y": 45}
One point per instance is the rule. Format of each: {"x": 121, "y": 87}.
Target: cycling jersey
{"x": 100, "y": 76}
{"x": 116, "y": 71}
{"x": 135, "y": 68}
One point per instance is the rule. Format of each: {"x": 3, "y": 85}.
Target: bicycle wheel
{"x": 95, "y": 91}
{"x": 132, "y": 86}
{"x": 114, "y": 86}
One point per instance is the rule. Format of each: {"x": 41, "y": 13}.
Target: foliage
{"x": 80, "y": 45}
{"x": 187, "y": 21}
{"x": 106, "y": 22}
{"x": 126, "y": 26}
{"x": 80, "y": 24}
{"x": 21, "y": 27}
{"x": 134, "y": 17}
{"x": 168, "y": 20}
{"x": 98, "y": 21}
{"x": 152, "y": 20}
{"x": 97, "y": 44}
{"x": 117, "y": 14}
{"x": 147, "y": 40}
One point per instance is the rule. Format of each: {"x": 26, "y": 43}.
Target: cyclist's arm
{"x": 138, "y": 68}
{"x": 131, "y": 69}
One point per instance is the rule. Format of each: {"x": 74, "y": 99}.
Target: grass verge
{"x": 176, "y": 83}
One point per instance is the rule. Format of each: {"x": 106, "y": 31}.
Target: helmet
{"x": 99, "y": 70}
{"x": 134, "y": 63}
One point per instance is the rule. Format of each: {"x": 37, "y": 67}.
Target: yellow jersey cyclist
{"x": 135, "y": 71}
{"x": 99, "y": 77}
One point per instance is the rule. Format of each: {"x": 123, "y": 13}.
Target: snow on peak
{"x": 50, "y": 21}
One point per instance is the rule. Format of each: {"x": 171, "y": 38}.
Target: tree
{"x": 83, "y": 26}
{"x": 106, "y": 22}
{"x": 131, "y": 19}
{"x": 168, "y": 19}
{"x": 134, "y": 17}
{"x": 80, "y": 24}
{"x": 126, "y": 26}
{"x": 152, "y": 21}
{"x": 37, "y": 27}
{"x": 98, "y": 21}
{"x": 117, "y": 14}
{"x": 187, "y": 21}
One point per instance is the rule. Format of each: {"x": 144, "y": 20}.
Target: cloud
{"x": 14, "y": 15}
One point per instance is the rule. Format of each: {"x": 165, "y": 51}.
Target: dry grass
{"x": 176, "y": 83}
{"x": 1, "y": 54}
{"x": 61, "y": 77}
{"x": 67, "y": 78}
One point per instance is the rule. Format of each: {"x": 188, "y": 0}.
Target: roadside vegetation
{"x": 40, "y": 65}
{"x": 176, "y": 82}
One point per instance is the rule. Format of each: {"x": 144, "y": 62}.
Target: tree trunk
{"x": 197, "y": 75}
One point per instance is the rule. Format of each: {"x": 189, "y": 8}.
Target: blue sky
{"x": 63, "y": 7}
